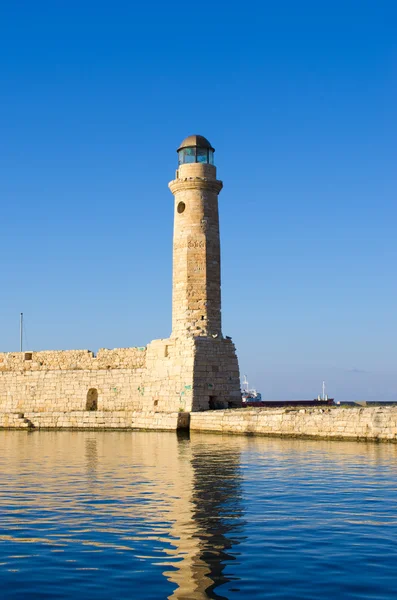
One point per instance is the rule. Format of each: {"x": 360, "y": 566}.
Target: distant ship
{"x": 250, "y": 397}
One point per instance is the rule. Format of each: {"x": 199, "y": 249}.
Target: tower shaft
{"x": 196, "y": 300}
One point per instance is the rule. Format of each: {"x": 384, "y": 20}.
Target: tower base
{"x": 216, "y": 379}
{"x": 193, "y": 374}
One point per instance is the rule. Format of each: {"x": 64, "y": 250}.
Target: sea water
{"x": 153, "y": 515}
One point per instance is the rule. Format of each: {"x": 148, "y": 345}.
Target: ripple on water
{"x": 151, "y": 515}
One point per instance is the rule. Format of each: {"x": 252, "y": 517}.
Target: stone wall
{"x": 61, "y": 381}
{"x": 95, "y": 420}
{"x": 378, "y": 423}
{"x": 169, "y": 375}
{"x": 41, "y": 391}
{"x": 216, "y": 376}
{"x": 168, "y": 379}
{"x": 119, "y": 358}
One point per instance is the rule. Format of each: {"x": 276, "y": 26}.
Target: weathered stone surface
{"x": 367, "y": 423}
{"x": 122, "y": 419}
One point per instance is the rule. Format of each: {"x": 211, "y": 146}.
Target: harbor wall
{"x": 168, "y": 375}
{"x": 363, "y": 423}
{"x": 122, "y": 419}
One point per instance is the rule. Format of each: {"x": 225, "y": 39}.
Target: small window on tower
{"x": 181, "y": 207}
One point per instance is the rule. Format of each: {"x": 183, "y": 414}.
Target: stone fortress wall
{"x": 169, "y": 375}
{"x": 68, "y": 380}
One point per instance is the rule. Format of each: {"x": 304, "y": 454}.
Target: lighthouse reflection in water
{"x": 154, "y": 515}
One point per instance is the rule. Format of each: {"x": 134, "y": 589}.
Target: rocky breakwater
{"x": 361, "y": 423}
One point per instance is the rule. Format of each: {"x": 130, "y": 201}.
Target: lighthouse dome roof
{"x": 195, "y": 141}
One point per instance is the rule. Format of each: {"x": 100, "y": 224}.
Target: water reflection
{"x": 155, "y": 516}
{"x": 91, "y": 455}
{"x": 171, "y": 504}
{"x": 208, "y": 540}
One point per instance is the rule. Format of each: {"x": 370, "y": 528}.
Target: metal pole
{"x": 21, "y": 332}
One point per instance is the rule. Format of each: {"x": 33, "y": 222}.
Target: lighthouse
{"x": 196, "y": 289}
{"x": 196, "y": 284}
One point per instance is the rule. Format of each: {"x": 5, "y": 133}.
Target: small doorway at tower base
{"x": 212, "y": 403}
{"x": 215, "y": 404}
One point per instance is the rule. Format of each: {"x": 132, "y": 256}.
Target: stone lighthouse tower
{"x": 196, "y": 300}
{"x": 196, "y": 291}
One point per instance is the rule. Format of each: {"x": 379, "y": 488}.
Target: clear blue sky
{"x": 299, "y": 100}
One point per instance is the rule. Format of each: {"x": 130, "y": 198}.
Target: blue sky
{"x": 299, "y": 100}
